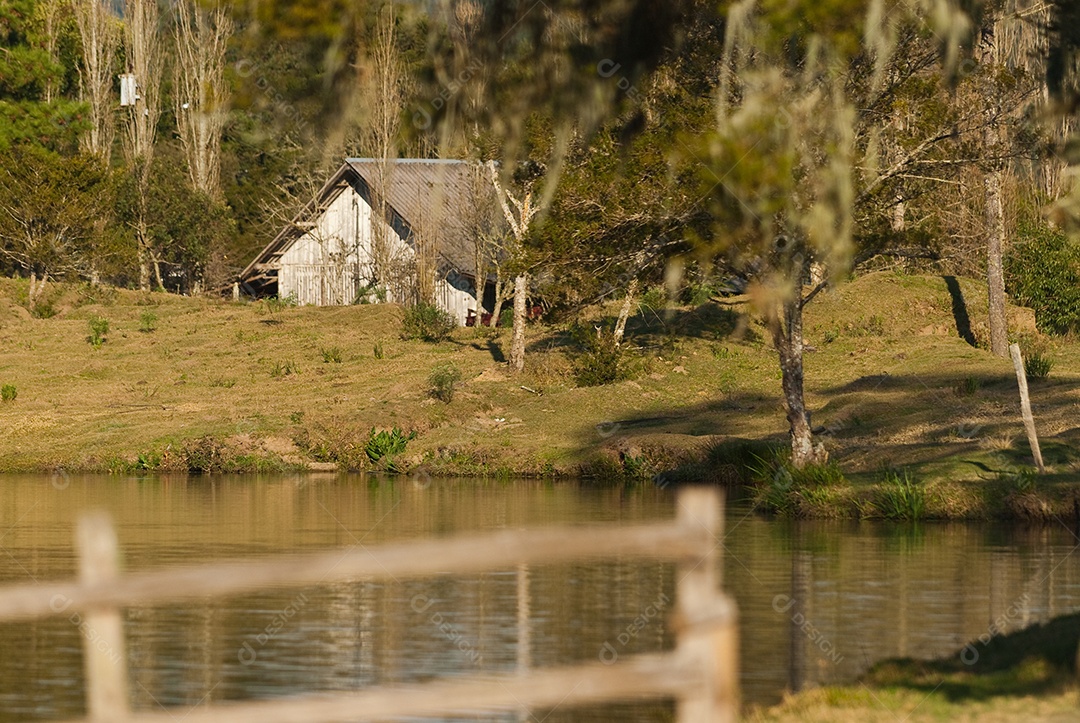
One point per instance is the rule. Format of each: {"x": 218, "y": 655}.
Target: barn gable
{"x": 324, "y": 256}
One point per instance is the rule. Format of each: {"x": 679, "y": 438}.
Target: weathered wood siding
{"x": 331, "y": 263}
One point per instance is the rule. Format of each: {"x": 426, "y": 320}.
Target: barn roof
{"x": 421, "y": 193}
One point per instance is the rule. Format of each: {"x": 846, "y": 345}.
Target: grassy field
{"x": 181, "y": 383}
{"x": 1028, "y": 675}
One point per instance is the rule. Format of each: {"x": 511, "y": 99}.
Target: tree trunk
{"x": 995, "y": 224}
{"x": 624, "y": 313}
{"x": 144, "y": 267}
{"x": 788, "y": 340}
{"x": 500, "y": 298}
{"x": 517, "y": 345}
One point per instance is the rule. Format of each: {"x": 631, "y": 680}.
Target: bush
{"x": 599, "y": 360}
{"x": 1038, "y": 365}
{"x": 147, "y": 321}
{"x": 1043, "y": 272}
{"x": 443, "y": 380}
{"x": 99, "y": 330}
{"x": 387, "y": 444}
{"x": 8, "y": 393}
{"x": 331, "y": 355}
{"x": 427, "y": 322}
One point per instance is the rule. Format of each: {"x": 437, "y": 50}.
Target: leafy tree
{"x": 31, "y": 112}
{"x": 185, "y": 228}
{"x": 50, "y": 213}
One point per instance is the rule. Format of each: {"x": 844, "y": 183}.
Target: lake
{"x": 819, "y": 601}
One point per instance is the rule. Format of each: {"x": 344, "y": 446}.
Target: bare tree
{"x": 144, "y": 60}
{"x": 518, "y": 218}
{"x": 382, "y": 97}
{"x": 49, "y": 14}
{"x": 100, "y": 36}
{"x": 202, "y": 95}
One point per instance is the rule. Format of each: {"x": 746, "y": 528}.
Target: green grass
{"x": 891, "y": 389}
{"x": 1025, "y": 675}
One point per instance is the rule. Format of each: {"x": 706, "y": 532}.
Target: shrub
{"x": 387, "y": 444}
{"x": 900, "y": 496}
{"x": 331, "y": 355}
{"x": 599, "y": 360}
{"x": 427, "y": 322}
{"x": 1038, "y": 365}
{"x": 147, "y": 321}
{"x": 205, "y": 455}
{"x": 8, "y": 393}
{"x": 99, "y": 330}
{"x": 443, "y": 380}
{"x": 1043, "y": 272}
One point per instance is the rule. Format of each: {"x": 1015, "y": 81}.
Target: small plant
{"x": 275, "y": 304}
{"x": 297, "y": 417}
{"x": 444, "y": 380}
{"x": 378, "y": 350}
{"x": 223, "y": 383}
{"x": 427, "y": 322}
{"x": 148, "y": 322}
{"x": 331, "y": 355}
{"x": 283, "y": 369}
{"x": 1037, "y": 365}
{"x": 8, "y": 392}
{"x": 387, "y": 444}
{"x": 900, "y": 496}
{"x": 1022, "y": 479}
{"x": 99, "y": 330}
{"x": 831, "y": 335}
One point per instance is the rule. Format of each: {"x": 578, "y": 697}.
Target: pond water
{"x": 819, "y": 601}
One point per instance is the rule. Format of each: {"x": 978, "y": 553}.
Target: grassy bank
{"x": 906, "y": 404}
{"x": 1029, "y": 675}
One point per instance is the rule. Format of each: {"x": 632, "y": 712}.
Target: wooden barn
{"x": 325, "y": 255}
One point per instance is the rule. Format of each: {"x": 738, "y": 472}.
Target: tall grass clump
{"x": 783, "y": 489}
{"x": 900, "y": 496}
{"x": 8, "y": 392}
{"x": 427, "y": 322}
{"x": 1037, "y": 365}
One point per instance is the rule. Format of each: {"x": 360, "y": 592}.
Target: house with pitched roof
{"x": 325, "y": 256}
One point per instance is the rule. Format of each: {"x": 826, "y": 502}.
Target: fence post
{"x": 707, "y": 625}
{"x": 1025, "y": 406}
{"x": 104, "y": 654}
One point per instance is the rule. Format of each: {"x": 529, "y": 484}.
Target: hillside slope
{"x": 890, "y": 377}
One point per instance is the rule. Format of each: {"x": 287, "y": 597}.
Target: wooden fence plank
{"x": 500, "y": 550}
{"x": 638, "y": 678}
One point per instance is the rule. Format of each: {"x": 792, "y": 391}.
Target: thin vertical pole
{"x": 1025, "y": 406}
{"x": 708, "y": 636}
{"x": 524, "y": 648}
{"x": 104, "y": 654}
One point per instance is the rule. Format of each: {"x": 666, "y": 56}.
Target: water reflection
{"x": 819, "y": 602}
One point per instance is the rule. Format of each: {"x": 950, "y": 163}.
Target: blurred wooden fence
{"x": 701, "y": 673}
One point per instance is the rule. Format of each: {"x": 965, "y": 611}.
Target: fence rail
{"x": 701, "y": 673}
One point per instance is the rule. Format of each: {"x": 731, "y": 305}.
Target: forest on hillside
{"x": 693, "y": 147}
